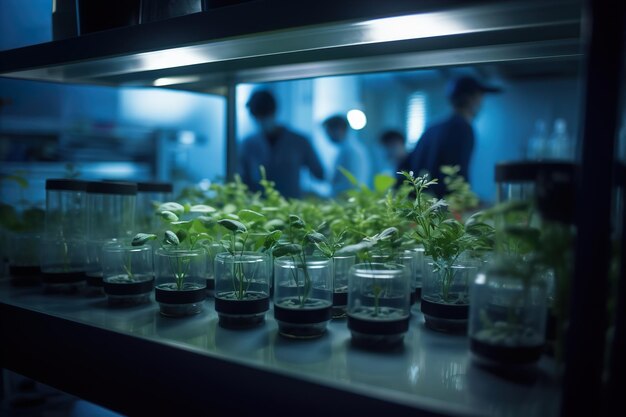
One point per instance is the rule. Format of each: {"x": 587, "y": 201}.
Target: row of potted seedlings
{"x": 367, "y": 258}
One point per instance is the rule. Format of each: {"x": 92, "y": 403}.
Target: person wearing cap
{"x": 352, "y": 156}
{"x": 281, "y": 151}
{"x": 450, "y": 142}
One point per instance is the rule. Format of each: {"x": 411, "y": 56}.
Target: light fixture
{"x": 414, "y": 26}
{"x": 161, "y": 82}
{"x": 186, "y": 137}
{"x": 356, "y": 119}
{"x": 172, "y": 58}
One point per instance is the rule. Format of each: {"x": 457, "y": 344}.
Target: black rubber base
{"x": 241, "y": 322}
{"x": 301, "y": 331}
{"x": 418, "y": 294}
{"x": 505, "y": 355}
{"x": 210, "y": 284}
{"x": 376, "y": 342}
{"x": 378, "y": 327}
{"x": 445, "y": 325}
{"x": 242, "y": 307}
{"x": 302, "y": 316}
{"x": 133, "y": 288}
{"x": 445, "y": 311}
{"x": 179, "y": 297}
{"x": 95, "y": 281}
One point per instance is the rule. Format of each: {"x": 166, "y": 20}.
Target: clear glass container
{"x": 242, "y": 289}
{"x": 127, "y": 273}
{"x": 408, "y": 258}
{"x": 66, "y": 208}
{"x": 516, "y": 181}
{"x": 62, "y": 264}
{"x": 63, "y": 253}
{"x": 445, "y": 295}
{"x": 211, "y": 250}
{"x": 110, "y": 215}
{"x": 303, "y": 296}
{"x": 419, "y": 271}
{"x": 379, "y": 302}
{"x": 508, "y": 314}
{"x": 180, "y": 281}
{"x": 150, "y": 195}
{"x": 341, "y": 268}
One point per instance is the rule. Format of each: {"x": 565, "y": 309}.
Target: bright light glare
{"x": 172, "y": 58}
{"x": 186, "y": 138}
{"x": 357, "y": 119}
{"x": 481, "y": 278}
{"x": 415, "y": 26}
{"x": 160, "y": 82}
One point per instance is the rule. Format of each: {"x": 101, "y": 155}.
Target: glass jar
{"x": 110, "y": 215}
{"x": 303, "y": 296}
{"x": 516, "y": 181}
{"x": 180, "y": 281}
{"x": 507, "y": 316}
{"x": 242, "y": 290}
{"x": 445, "y": 295}
{"x": 409, "y": 259}
{"x": 379, "y": 302}
{"x": 149, "y": 196}
{"x": 341, "y": 268}
{"x": 211, "y": 250}
{"x": 419, "y": 271}
{"x": 127, "y": 273}
{"x": 63, "y": 255}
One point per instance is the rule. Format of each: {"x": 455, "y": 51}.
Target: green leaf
{"x": 172, "y": 207}
{"x": 274, "y": 224}
{"x": 351, "y": 178}
{"x": 169, "y": 216}
{"x": 250, "y": 215}
{"x": 357, "y": 247}
{"x": 171, "y": 238}
{"x": 201, "y": 208}
{"x": 183, "y": 224}
{"x": 296, "y": 222}
{"x": 285, "y": 250}
{"x": 141, "y": 238}
{"x": 232, "y": 225}
{"x": 229, "y": 208}
{"x": 316, "y": 237}
{"x": 271, "y": 239}
{"x": 181, "y": 235}
{"x": 383, "y": 182}
{"x": 206, "y": 221}
{"x": 387, "y": 233}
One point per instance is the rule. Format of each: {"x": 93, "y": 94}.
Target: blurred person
{"x": 281, "y": 151}
{"x": 451, "y": 141}
{"x": 394, "y": 146}
{"x": 352, "y": 155}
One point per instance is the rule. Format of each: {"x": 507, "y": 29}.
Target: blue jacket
{"x": 449, "y": 142}
{"x": 282, "y": 160}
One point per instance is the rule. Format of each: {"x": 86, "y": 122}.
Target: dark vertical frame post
{"x": 617, "y": 364}
{"x": 585, "y": 341}
{"x": 231, "y": 131}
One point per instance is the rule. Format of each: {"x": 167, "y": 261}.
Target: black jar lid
{"x": 530, "y": 171}
{"x": 65, "y": 184}
{"x": 155, "y": 187}
{"x": 110, "y": 187}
